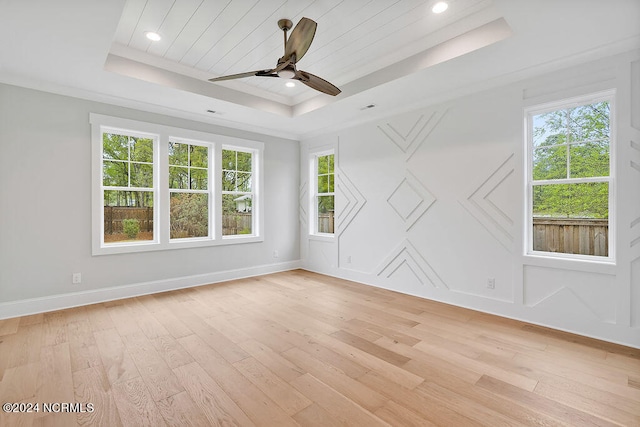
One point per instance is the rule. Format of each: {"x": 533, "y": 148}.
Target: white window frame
{"x": 313, "y": 194}
{"x": 163, "y": 134}
{"x": 209, "y": 191}
{"x": 529, "y": 113}
{"x": 255, "y": 169}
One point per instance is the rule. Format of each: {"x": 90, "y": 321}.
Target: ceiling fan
{"x": 294, "y": 49}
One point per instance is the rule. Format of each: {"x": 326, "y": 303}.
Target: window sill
{"x": 174, "y": 244}
{"x": 324, "y": 237}
{"x": 600, "y": 265}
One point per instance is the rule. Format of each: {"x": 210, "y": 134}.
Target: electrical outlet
{"x": 491, "y": 283}
{"x": 76, "y": 279}
{"x": 275, "y": 254}
{"x": 349, "y": 259}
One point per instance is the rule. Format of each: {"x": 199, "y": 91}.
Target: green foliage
{"x": 131, "y": 227}
{"x": 127, "y": 161}
{"x": 325, "y": 174}
{"x": 236, "y": 171}
{"x": 189, "y": 215}
{"x": 325, "y": 204}
{"x": 128, "y": 198}
{"x": 188, "y": 166}
{"x": 572, "y": 143}
{"x": 587, "y": 200}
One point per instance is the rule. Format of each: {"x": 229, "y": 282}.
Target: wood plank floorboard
{"x": 301, "y": 349}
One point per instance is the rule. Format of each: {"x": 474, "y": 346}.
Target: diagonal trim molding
{"x": 411, "y": 200}
{"x": 302, "y": 203}
{"x": 406, "y": 253}
{"x": 565, "y": 290}
{"x": 413, "y": 135}
{"x": 355, "y": 201}
{"x": 480, "y": 205}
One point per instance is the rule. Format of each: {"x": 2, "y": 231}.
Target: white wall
{"x": 430, "y": 203}
{"x": 45, "y": 211}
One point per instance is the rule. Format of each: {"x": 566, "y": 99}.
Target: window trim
{"x": 210, "y": 192}
{"x": 165, "y": 134}
{"x": 313, "y": 193}
{"x": 565, "y": 103}
{"x": 255, "y": 170}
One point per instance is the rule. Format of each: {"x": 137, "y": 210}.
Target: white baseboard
{"x": 75, "y": 299}
{"x": 625, "y": 336}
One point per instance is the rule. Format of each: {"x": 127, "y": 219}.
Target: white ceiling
{"x": 392, "y": 53}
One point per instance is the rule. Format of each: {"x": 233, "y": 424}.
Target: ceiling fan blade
{"x": 259, "y": 73}
{"x": 300, "y": 39}
{"x": 317, "y": 83}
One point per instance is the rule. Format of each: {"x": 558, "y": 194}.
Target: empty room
{"x": 320, "y": 213}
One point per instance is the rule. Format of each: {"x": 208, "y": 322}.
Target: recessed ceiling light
{"x": 155, "y": 37}
{"x": 440, "y": 7}
{"x": 290, "y": 84}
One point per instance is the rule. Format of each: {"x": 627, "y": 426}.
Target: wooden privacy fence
{"x": 325, "y": 222}
{"x": 113, "y": 216}
{"x": 571, "y": 235}
{"x": 236, "y": 223}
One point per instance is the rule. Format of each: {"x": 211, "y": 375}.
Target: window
{"x": 323, "y": 193}
{"x": 154, "y": 187}
{"x": 237, "y": 192}
{"x": 188, "y": 190}
{"x": 569, "y": 178}
{"x": 128, "y": 172}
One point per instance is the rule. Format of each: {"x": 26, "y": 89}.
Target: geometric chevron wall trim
{"x": 409, "y": 132}
{"x": 486, "y": 209}
{"x": 302, "y": 203}
{"x": 354, "y": 201}
{"x": 407, "y": 254}
{"x": 410, "y": 200}
{"x": 589, "y": 294}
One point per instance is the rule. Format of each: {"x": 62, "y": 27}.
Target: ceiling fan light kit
{"x": 295, "y": 46}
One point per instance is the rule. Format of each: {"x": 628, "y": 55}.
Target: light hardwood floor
{"x": 298, "y": 348}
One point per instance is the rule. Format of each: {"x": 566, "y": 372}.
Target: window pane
{"x": 590, "y": 159}
{"x": 142, "y": 150}
{"x": 128, "y": 216}
{"x": 587, "y": 200}
{"x": 228, "y": 160}
{"x": 243, "y": 181}
{"x": 571, "y": 218}
{"x": 115, "y": 173}
{"x": 323, "y": 165}
{"x": 550, "y": 128}
{"x": 589, "y": 122}
{"x": 236, "y": 214}
{"x": 199, "y": 157}
{"x": 330, "y": 163}
{"x": 331, "y": 179}
{"x": 228, "y": 181}
{"x": 178, "y": 177}
{"x": 550, "y": 163}
{"x": 244, "y": 161}
{"x": 325, "y": 214}
{"x": 141, "y": 175}
{"x": 323, "y": 184}
{"x": 115, "y": 146}
{"x": 189, "y": 215}
{"x": 178, "y": 154}
{"x": 199, "y": 179}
